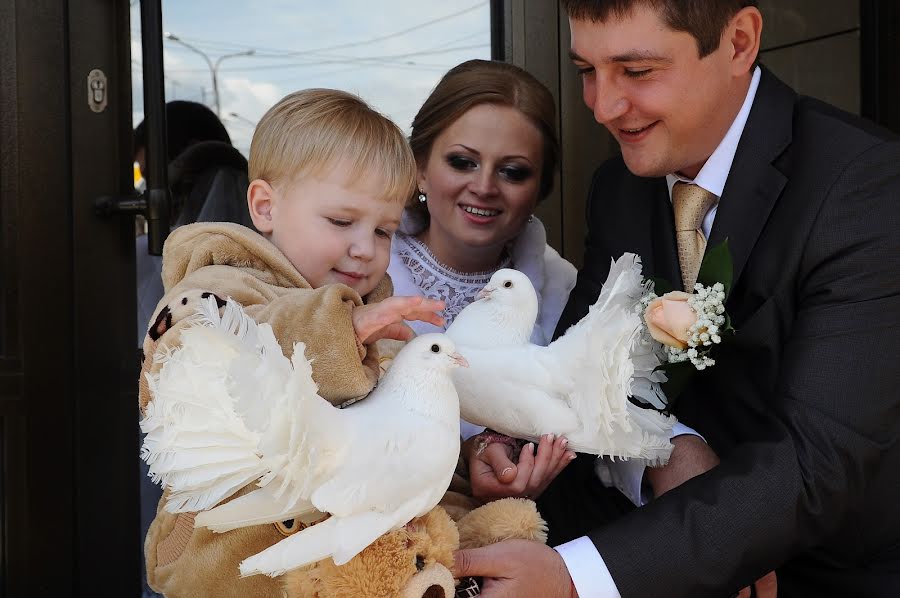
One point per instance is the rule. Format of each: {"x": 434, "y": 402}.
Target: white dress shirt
{"x": 589, "y": 573}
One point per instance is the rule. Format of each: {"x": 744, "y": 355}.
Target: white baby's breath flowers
{"x": 708, "y": 303}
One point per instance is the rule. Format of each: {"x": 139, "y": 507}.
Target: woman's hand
{"x": 493, "y": 474}
{"x": 385, "y": 318}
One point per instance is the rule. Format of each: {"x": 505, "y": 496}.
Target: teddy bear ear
{"x": 433, "y": 581}
{"x": 162, "y": 323}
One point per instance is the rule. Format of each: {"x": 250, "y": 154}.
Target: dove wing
{"x": 401, "y": 448}
{"x": 386, "y": 480}
{"x": 517, "y": 390}
{"x": 392, "y": 456}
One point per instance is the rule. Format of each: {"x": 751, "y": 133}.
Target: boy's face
{"x": 667, "y": 107}
{"x": 335, "y": 231}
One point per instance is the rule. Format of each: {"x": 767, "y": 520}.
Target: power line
{"x": 396, "y": 33}
{"x": 287, "y": 53}
{"x": 385, "y": 60}
{"x": 263, "y": 53}
{"x": 485, "y": 34}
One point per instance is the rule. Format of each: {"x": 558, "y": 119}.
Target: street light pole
{"x": 213, "y": 67}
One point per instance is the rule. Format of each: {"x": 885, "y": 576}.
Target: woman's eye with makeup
{"x": 457, "y": 162}
{"x": 515, "y": 174}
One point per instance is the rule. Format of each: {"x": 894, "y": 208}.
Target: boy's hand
{"x": 385, "y": 318}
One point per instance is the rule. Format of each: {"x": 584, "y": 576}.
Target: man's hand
{"x": 385, "y": 318}
{"x": 493, "y": 475}
{"x": 766, "y": 587}
{"x": 516, "y": 569}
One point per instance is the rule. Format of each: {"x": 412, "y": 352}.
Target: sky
{"x": 390, "y": 52}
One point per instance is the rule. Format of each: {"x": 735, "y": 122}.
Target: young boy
{"x": 329, "y": 178}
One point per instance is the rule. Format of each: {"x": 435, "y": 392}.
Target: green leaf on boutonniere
{"x": 717, "y": 267}
{"x": 728, "y": 329}
{"x": 679, "y": 376}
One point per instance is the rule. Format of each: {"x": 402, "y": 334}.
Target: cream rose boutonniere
{"x": 689, "y": 325}
{"x": 669, "y": 319}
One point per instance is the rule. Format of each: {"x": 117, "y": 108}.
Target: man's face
{"x": 667, "y": 107}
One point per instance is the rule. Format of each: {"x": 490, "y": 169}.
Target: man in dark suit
{"x": 803, "y": 404}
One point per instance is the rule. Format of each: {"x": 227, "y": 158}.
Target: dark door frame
{"x": 68, "y": 366}
{"x": 880, "y": 62}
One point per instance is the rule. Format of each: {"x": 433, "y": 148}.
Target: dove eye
{"x": 435, "y": 348}
{"x": 508, "y": 284}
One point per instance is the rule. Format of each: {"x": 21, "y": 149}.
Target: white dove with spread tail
{"x": 229, "y": 409}
{"x": 579, "y": 385}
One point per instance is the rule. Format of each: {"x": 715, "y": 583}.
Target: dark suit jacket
{"x": 803, "y": 405}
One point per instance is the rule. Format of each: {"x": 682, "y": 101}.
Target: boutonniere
{"x": 690, "y": 325}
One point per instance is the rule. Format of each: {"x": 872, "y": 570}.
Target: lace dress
{"x": 438, "y": 281}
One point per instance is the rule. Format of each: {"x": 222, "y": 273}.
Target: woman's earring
{"x": 531, "y": 219}
{"x": 422, "y": 197}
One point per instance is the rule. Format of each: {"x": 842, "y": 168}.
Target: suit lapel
{"x": 665, "y": 248}
{"x": 645, "y": 225}
{"x": 754, "y": 184}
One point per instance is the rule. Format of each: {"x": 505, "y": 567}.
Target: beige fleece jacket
{"x": 230, "y": 260}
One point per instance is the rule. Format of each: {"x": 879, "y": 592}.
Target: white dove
{"x": 229, "y": 409}
{"x": 579, "y": 385}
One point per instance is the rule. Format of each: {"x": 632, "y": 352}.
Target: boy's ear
{"x": 260, "y": 196}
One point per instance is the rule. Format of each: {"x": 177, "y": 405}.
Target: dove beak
{"x": 484, "y": 293}
{"x": 459, "y": 360}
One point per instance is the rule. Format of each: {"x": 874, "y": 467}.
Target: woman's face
{"x": 482, "y": 178}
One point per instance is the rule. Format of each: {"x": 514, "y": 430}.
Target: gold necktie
{"x": 690, "y": 203}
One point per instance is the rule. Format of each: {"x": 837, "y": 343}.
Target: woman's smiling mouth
{"x": 479, "y": 215}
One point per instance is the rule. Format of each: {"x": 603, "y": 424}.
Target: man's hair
{"x": 311, "y": 131}
{"x": 705, "y": 20}
{"x": 477, "y": 82}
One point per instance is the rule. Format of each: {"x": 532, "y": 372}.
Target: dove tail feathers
{"x": 602, "y": 340}
{"x": 647, "y": 438}
{"x": 219, "y": 417}
{"x": 618, "y": 363}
